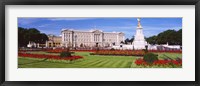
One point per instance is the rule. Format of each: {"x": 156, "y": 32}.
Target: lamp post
{"x": 146, "y": 47}
{"x": 75, "y": 41}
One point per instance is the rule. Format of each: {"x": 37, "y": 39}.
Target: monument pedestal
{"x": 139, "y": 41}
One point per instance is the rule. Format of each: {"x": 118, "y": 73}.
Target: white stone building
{"x": 92, "y": 38}
{"x": 54, "y": 41}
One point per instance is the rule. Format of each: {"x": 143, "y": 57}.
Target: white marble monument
{"x": 139, "y": 41}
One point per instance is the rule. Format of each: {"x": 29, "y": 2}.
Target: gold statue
{"x": 139, "y": 25}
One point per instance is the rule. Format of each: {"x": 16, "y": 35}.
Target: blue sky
{"x": 151, "y": 26}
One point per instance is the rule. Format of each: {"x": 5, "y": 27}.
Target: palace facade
{"x": 54, "y": 41}
{"x": 92, "y": 38}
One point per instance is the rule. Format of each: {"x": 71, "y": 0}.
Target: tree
{"x": 122, "y": 42}
{"x": 179, "y": 37}
{"x": 129, "y": 40}
{"x": 171, "y": 37}
{"x": 168, "y": 36}
{"x": 43, "y": 38}
{"x": 32, "y": 34}
{"x": 22, "y": 36}
{"x": 152, "y": 39}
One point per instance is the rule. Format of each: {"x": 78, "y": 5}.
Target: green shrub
{"x": 150, "y": 58}
{"x": 92, "y": 53}
{"x": 65, "y": 54}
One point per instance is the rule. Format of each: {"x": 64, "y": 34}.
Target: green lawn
{"x": 89, "y": 61}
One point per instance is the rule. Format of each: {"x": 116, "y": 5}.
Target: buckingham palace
{"x": 91, "y": 38}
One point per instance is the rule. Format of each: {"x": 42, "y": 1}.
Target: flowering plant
{"x": 120, "y": 53}
{"x": 160, "y": 63}
{"x": 54, "y": 57}
{"x": 128, "y": 51}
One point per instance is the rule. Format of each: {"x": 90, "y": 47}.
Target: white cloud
{"x": 68, "y": 19}
{"x": 44, "y": 25}
{"x": 25, "y": 21}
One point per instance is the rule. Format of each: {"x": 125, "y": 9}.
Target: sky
{"x": 151, "y": 26}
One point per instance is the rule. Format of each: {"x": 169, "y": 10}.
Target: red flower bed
{"x": 55, "y": 51}
{"x": 154, "y": 51}
{"x": 55, "y": 57}
{"x": 83, "y": 50}
{"x": 165, "y": 51}
{"x": 159, "y": 62}
{"x": 61, "y": 50}
{"x": 34, "y": 49}
{"x": 120, "y": 53}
